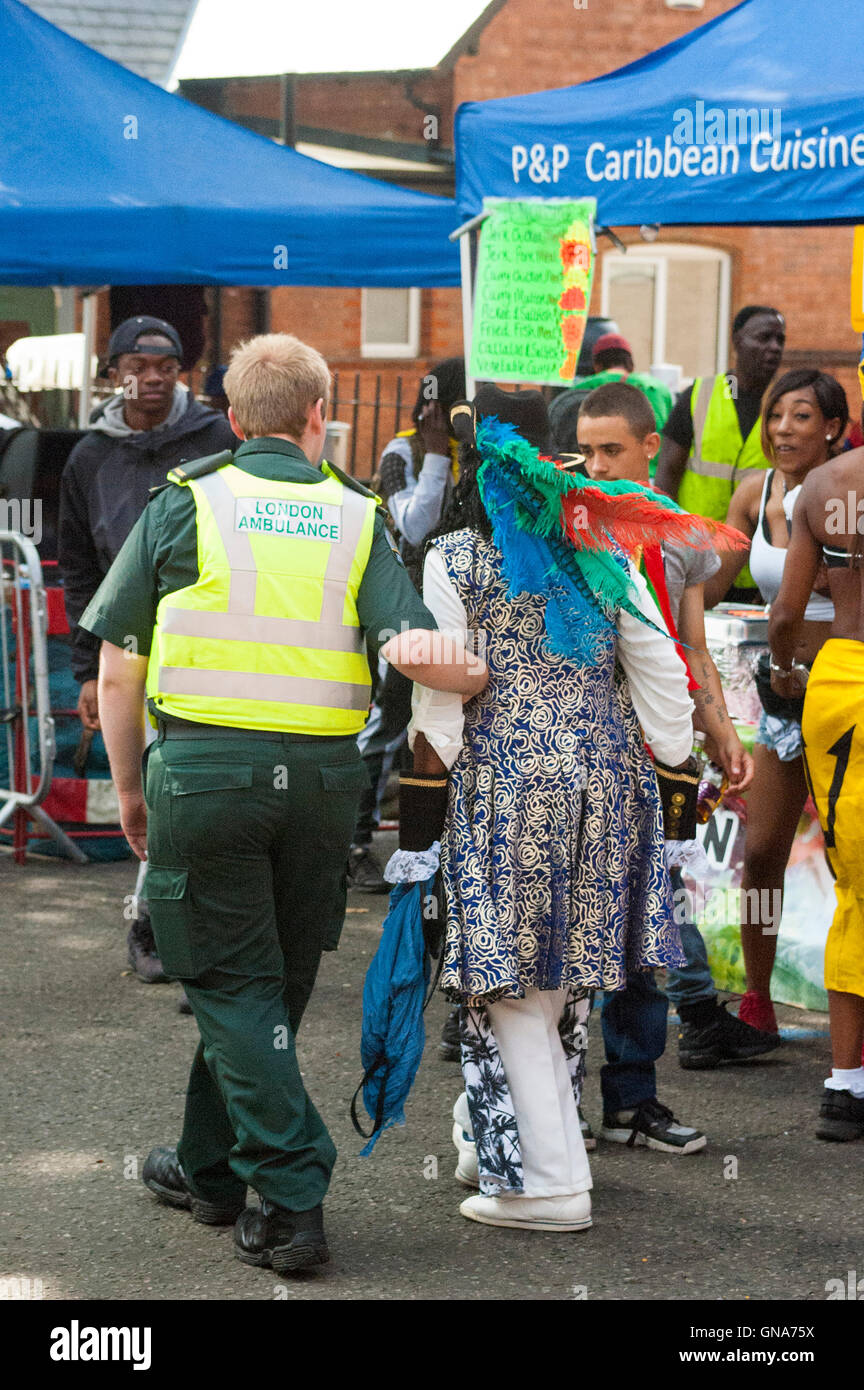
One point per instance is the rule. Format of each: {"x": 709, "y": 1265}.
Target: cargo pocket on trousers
{"x": 345, "y": 777}
{"x": 166, "y": 893}
{"x": 206, "y": 805}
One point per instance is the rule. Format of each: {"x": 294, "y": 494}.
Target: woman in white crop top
{"x": 803, "y": 419}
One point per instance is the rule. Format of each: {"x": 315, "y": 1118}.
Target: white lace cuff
{"x": 413, "y": 866}
{"x": 688, "y": 855}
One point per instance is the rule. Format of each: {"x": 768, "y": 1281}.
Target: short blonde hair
{"x": 272, "y": 381}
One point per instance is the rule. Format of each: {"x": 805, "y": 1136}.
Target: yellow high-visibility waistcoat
{"x": 268, "y": 637}
{"x": 719, "y": 455}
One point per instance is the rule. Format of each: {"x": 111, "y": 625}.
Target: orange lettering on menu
{"x": 576, "y": 264}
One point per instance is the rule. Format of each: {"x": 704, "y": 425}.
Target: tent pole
{"x": 467, "y": 307}
{"x": 88, "y": 326}
{"x": 466, "y": 235}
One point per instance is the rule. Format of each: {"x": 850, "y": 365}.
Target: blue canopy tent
{"x": 756, "y": 117}
{"x": 108, "y": 179}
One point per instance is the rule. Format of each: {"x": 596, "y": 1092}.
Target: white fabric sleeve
{"x": 416, "y": 510}
{"x": 657, "y": 679}
{"x": 437, "y": 714}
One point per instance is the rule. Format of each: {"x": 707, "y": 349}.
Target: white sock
{"x": 847, "y": 1079}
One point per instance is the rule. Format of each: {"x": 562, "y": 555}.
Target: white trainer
{"x": 467, "y": 1171}
{"x": 462, "y": 1115}
{"x": 531, "y": 1213}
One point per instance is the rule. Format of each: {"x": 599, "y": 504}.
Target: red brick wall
{"x": 373, "y": 105}
{"x": 330, "y": 320}
{"x": 802, "y": 271}
{"x": 532, "y": 45}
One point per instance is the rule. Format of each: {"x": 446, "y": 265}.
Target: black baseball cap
{"x": 524, "y": 409}
{"x": 126, "y": 334}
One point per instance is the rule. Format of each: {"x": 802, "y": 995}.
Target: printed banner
{"x": 534, "y": 272}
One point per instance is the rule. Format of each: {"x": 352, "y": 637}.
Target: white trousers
{"x": 554, "y": 1161}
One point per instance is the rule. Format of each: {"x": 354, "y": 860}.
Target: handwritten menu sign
{"x": 534, "y": 271}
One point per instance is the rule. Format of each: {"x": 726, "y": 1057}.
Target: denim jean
{"x": 634, "y": 1036}
{"x": 634, "y": 1019}
{"x": 690, "y": 983}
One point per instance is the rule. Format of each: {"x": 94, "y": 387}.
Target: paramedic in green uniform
{"x": 244, "y": 600}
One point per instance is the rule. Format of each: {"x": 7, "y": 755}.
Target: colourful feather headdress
{"x": 566, "y": 539}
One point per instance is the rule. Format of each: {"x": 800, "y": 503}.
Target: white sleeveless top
{"x": 767, "y": 560}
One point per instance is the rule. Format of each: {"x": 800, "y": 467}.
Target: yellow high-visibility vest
{"x": 719, "y": 455}
{"x": 268, "y": 636}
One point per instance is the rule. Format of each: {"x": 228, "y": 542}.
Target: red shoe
{"x": 757, "y": 1010}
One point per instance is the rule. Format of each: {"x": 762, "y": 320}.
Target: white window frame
{"x": 411, "y": 348}
{"x": 659, "y": 255}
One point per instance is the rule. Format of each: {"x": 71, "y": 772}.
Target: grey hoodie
{"x": 104, "y": 489}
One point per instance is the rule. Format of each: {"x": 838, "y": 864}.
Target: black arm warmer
{"x": 422, "y": 806}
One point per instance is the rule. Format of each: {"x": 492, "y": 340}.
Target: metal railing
{"x": 25, "y": 695}
{"x": 348, "y": 403}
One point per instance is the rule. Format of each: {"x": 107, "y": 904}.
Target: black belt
{"x": 185, "y": 731}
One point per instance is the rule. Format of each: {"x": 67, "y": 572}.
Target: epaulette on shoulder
{"x": 199, "y": 468}
{"x": 195, "y": 468}
{"x": 351, "y": 482}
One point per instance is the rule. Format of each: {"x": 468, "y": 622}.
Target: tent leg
{"x": 88, "y": 325}
{"x": 465, "y": 262}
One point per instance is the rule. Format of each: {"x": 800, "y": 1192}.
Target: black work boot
{"x": 449, "y": 1048}
{"x": 285, "y": 1241}
{"x": 716, "y": 1036}
{"x": 364, "y": 871}
{"x": 143, "y": 956}
{"x": 165, "y": 1178}
{"x": 841, "y": 1116}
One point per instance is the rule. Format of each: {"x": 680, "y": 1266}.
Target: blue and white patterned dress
{"x": 552, "y": 852}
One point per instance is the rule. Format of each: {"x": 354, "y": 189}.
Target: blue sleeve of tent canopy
{"x": 172, "y": 194}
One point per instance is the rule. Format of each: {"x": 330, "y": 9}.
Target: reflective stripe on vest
{"x": 269, "y": 640}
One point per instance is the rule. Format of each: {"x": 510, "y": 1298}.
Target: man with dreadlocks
{"x": 549, "y": 815}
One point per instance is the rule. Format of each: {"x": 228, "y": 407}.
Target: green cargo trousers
{"x": 247, "y": 843}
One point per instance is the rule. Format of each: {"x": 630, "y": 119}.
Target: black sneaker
{"x": 143, "y": 956}
{"x": 725, "y": 1038}
{"x": 841, "y": 1116}
{"x": 284, "y": 1241}
{"x": 589, "y": 1138}
{"x": 653, "y": 1125}
{"x": 449, "y": 1048}
{"x": 164, "y": 1177}
{"x": 364, "y": 871}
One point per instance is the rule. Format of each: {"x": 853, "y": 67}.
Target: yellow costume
{"x": 833, "y": 730}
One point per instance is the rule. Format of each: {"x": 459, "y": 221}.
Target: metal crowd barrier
{"x": 25, "y": 696}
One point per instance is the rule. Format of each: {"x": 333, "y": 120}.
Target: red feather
{"x": 636, "y": 518}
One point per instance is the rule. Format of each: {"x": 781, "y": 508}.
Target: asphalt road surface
{"x": 94, "y": 1066}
